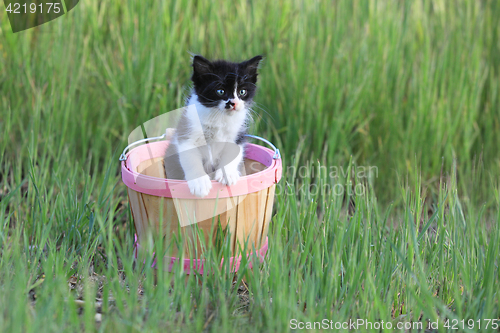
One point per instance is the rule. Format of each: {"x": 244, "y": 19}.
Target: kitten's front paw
{"x": 200, "y": 186}
{"x": 229, "y": 177}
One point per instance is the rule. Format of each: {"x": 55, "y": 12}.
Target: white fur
{"x": 225, "y": 124}
{"x": 200, "y": 186}
{"x": 208, "y": 126}
{"x": 231, "y": 172}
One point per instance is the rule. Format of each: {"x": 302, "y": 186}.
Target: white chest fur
{"x": 214, "y": 125}
{"x": 202, "y": 145}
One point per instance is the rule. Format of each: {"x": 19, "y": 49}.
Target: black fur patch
{"x": 241, "y": 138}
{"x": 224, "y": 76}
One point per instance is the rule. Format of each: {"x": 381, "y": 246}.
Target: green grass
{"x": 410, "y": 88}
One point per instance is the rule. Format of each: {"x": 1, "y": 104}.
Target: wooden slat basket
{"x": 243, "y": 211}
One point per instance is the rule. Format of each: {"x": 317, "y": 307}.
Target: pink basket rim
{"x": 179, "y": 189}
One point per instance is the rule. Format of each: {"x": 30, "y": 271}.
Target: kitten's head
{"x": 225, "y": 85}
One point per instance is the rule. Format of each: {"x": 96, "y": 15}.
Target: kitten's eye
{"x": 242, "y": 92}
{"x": 220, "y": 92}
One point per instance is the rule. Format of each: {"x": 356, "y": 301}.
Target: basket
{"x": 243, "y": 210}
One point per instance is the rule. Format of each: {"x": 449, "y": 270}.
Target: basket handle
{"x": 276, "y": 155}
{"x": 123, "y": 156}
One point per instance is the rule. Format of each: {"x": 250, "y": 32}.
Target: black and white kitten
{"x": 208, "y": 142}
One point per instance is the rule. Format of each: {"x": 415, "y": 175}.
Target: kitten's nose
{"x": 231, "y": 104}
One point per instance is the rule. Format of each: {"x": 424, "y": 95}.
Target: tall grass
{"x": 410, "y": 88}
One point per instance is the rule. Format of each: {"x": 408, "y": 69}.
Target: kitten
{"x": 209, "y": 140}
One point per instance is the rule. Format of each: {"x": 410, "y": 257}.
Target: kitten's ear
{"x": 201, "y": 65}
{"x": 252, "y": 65}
